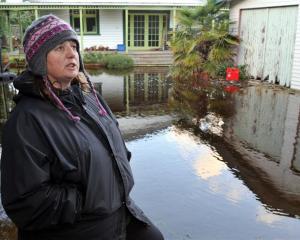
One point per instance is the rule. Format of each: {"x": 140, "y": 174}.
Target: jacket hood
{"x": 24, "y": 83}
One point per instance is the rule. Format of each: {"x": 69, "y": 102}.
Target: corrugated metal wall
{"x": 268, "y": 40}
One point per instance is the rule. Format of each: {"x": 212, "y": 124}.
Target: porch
{"x": 134, "y": 28}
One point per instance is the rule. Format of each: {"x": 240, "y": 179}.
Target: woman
{"x": 65, "y": 170}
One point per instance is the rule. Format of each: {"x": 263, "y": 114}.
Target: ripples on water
{"x": 225, "y": 166}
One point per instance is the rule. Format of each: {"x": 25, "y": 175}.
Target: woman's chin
{"x": 71, "y": 75}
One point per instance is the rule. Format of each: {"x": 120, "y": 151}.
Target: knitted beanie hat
{"x": 43, "y": 35}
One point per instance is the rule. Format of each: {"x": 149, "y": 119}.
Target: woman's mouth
{"x": 71, "y": 65}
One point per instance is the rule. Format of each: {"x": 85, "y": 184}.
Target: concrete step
{"x": 153, "y": 58}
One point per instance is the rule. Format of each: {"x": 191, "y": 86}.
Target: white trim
{"x": 154, "y": 3}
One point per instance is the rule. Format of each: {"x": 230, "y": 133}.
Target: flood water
{"x": 210, "y": 162}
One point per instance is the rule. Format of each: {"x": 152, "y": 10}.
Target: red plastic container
{"x": 231, "y": 89}
{"x": 232, "y": 74}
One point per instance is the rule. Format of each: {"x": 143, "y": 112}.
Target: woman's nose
{"x": 70, "y": 51}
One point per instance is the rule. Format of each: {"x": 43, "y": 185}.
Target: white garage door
{"x": 267, "y": 42}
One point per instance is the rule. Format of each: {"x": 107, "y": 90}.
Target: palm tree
{"x": 202, "y": 41}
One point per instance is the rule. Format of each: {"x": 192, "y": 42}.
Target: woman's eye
{"x": 60, "y": 48}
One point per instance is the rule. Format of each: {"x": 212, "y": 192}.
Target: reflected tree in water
{"x": 198, "y": 97}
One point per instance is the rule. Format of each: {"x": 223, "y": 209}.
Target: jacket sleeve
{"x": 29, "y": 197}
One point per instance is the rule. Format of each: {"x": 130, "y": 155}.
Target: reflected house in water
{"x": 148, "y": 88}
{"x": 265, "y": 131}
{"x": 141, "y": 88}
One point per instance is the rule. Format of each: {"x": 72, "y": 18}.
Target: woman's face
{"x": 63, "y": 64}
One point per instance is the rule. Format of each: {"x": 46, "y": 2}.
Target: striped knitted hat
{"x": 43, "y": 35}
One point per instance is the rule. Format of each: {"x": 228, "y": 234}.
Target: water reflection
{"x": 197, "y": 98}
{"x": 7, "y": 92}
{"x": 268, "y": 122}
{"x": 140, "y": 90}
{"x": 229, "y": 165}
{"x": 262, "y": 126}
{"x": 296, "y": 155}
{"x": 265, "y": 131}
{"x": 203, "y": 183}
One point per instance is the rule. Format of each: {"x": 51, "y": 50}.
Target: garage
{"x": 270, "y": 40}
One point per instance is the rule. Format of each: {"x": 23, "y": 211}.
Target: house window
{"x": 90, "y": 19}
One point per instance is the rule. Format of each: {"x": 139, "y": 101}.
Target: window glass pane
{"x": 139, "y": 30}
{"x": 89, "y": 18}
{"x": 129, "y": 30}
{"x": 91, "y": 24}
{"x": 153, "y": 26}
{"x": 76, "y": 24}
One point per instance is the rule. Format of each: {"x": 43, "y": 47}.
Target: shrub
{"x": 110, "y": 61}
{"x": 93, "y": 57}
{"x": 202, "y": 40}
{"x": 221, "y": 71}
{"x": 118, "y": 61}
{"x": 19, "y": 59}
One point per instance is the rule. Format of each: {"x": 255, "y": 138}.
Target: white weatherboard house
{"x": 270, "y": 39}
{"x": 128, "y": 24}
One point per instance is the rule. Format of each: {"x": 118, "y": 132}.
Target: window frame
{"x": 85, "y": 15}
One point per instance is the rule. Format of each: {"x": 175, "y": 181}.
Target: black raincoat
{"x": 61, "y": 179}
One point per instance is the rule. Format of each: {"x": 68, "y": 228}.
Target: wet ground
{"x": 210, "y": 161}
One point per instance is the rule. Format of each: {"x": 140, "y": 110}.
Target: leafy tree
{"x": 21, "y": 19}
{"x": 4, "y": 28}
{"x": 202, "y": 41}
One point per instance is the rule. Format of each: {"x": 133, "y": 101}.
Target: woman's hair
{"x": 46, "y": 89}
{"x": 80, "y": 79}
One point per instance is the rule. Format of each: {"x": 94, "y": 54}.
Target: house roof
{"x": 152, "y": 3}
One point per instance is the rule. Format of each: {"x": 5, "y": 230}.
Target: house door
{"x": 145, "y": 31}
{"x": 268, "y": 42}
